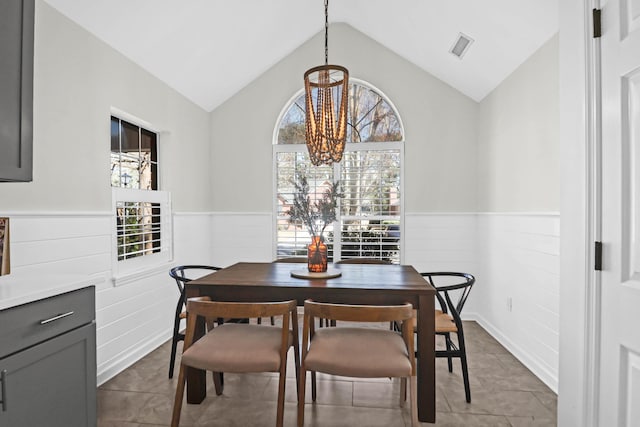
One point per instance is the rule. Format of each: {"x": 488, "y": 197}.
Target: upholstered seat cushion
{"x": 237, "y": 347}
{"x": 358, "y": 352}
{"x": 445, "y": 323}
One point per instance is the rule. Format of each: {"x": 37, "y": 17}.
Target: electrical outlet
{"x": 509, "y": 304}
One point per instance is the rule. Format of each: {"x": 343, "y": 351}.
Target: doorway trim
{"x": 579, "y": 368}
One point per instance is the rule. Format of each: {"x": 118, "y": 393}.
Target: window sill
{"x": 143, "y": 273}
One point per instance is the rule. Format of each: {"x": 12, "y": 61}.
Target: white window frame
{"x": 132, "y": 269}
{"x": 361, "y": 146}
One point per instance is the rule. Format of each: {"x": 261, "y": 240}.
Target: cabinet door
{"x": 53, "y": 383}
{"x": 16, "y": 89}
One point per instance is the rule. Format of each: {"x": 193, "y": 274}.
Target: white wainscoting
{"x": 512, "y": 256}
{"x": 132, "y": 319}
{"x": 136, "y": 318}
{"x": 440, "y": 242}
{"x": 516, "y": 298}
{"x": 242, "y": 236}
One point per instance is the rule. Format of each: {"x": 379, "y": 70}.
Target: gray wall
{"x": 460, "y": 156}
{"x": 518, "y": 138}
{"x": 77, "y": 80}
{"x": 440, "y": 127}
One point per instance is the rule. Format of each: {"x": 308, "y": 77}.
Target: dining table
{"x": 370, "y": 284}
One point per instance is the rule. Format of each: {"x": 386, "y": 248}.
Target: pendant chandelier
{"x": 326, "y": 92}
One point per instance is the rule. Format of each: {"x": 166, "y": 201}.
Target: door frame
{"x": 580, "y": 217}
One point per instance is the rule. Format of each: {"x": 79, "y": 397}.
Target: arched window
{"x": 369, "y": 223}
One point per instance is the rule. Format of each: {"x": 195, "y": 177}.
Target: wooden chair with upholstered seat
{"x": 358, "y": 351}
{"x": 183, "y": 274}
{"x": 239, "y": 347}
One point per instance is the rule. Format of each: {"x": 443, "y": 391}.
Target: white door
{"x": 619, "y": 397}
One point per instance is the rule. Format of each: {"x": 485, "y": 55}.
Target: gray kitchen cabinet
{"x": 48, "y": 362}
{"x": 16, "y": 89}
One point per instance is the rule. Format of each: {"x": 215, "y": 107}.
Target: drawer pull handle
{"x": 3, "y": 380}
{"x": 54, "y": 318}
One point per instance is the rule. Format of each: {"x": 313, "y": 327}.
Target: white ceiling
{"x": 210, "y": 49}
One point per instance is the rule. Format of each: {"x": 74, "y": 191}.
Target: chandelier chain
{"x": 326, "y": 32}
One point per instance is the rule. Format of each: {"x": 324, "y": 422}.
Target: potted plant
{"x": 316, "y": 213}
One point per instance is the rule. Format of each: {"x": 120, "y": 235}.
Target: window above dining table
{"x": 370, "y": 219}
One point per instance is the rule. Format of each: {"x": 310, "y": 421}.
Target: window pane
{"x": 294, "y": 238}
{"x": 130, "y": 138}
{"x": 115, "y": 169}
{"x": 115, "y": 135}
{"x": 371, "y": 183}
{"x": 138, "y": 229}
{"x": 370, "y": 119}
{"x": 292, "y": 128}
{"x": 129, "y": 167}
{"x": 371, "y": 238}
{"x": 149, "y": 165}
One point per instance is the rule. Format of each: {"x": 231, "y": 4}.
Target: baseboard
{"x": 128, "y": 358}
{"x": 538, "y": 370}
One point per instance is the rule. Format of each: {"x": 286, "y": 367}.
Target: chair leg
{"x": 313, "y": 386}
{"x": 447, "y": 339}
{"x": 414, "y": 401}
{"x": 273, "y": 321}
{"x": 403, "y": 391}
{"x": 172, "y": 361}
{"x": 174, "y": 345}
{"x": 177, "y": 403}
{"x": 296, "y": 357}
{"x": 302, "y": 382}
{"x": 218, "y": 383}
{"x": 281, "y": 388}
{"x": 465, "y": 368}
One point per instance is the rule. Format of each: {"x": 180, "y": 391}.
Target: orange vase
{"x": 317, "y": 255}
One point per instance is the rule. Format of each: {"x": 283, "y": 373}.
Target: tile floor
{"x": 503, "y": 393}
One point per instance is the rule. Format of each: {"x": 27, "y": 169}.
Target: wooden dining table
{"x": 357, "y": 284}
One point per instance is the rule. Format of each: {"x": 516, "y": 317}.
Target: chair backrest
{"x": 403, "y": 314}
{"x": 358, "y": 313}
{"x": 204, "y": 307}
{"x": 462, "y": 283}
{"x": 363, "y": 261}
{"x": 185, "y": 273}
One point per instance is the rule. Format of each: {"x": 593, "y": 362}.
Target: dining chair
{"x": 450, "y": 287}
{"x": 239, "y": 347}
{"x": 358, "y": 351}
{"x": 183, "y": 274}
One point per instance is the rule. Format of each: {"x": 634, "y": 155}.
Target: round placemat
{"x": 306, "y": 274}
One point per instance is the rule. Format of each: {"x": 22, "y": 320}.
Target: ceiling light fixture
{"x": 326, "y": 88}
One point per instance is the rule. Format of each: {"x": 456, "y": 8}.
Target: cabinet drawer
{"x": 32, "y": 323}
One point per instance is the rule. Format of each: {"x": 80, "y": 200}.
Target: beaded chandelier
{"x": 326, "y": 93}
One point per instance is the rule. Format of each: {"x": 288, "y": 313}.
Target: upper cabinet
{"x": 16, "y": 89}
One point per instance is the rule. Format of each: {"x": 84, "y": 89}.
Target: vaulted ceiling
{"x": 210, "y": 49}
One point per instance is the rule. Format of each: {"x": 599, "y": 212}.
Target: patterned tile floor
{"x": 503, "y": 393}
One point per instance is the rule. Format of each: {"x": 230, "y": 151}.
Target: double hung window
{"x": 142, "y": 211}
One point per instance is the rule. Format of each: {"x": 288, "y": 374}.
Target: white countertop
{"x": 16, "y": 289}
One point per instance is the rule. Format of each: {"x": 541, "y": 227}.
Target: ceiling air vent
{"x": 461, "y": 45}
